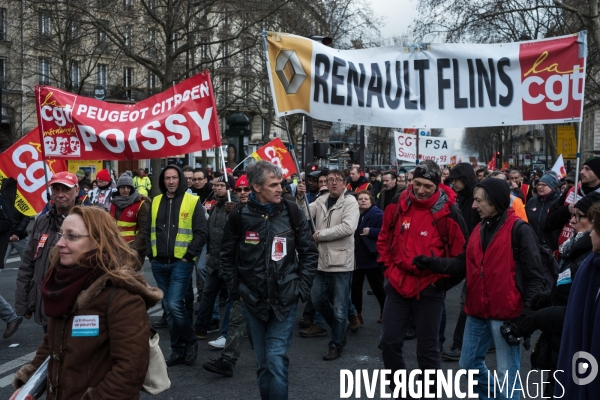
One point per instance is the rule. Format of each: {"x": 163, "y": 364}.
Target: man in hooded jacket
{"x": 464, "y": 180}
{"x": 175, "y": 235}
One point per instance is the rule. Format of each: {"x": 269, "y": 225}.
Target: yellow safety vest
{"x": 185, "y": 232}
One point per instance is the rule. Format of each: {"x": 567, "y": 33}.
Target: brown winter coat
{"x": 112, "y": 365}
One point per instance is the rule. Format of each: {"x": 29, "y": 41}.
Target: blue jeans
{"x": 271, "y": 340}
{"x": 173, "y": 279}
{"x": 330, "y": 294}
{"x": 201, "y": 278}
{"x": 479, "y": 334}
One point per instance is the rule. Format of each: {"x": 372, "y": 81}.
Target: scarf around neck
{"x": 267, "y": 207}
{"x": 62, "y": 285}
{"x": 122, "y": 202}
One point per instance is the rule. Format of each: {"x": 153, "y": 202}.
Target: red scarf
{"x": 62, "y": 285}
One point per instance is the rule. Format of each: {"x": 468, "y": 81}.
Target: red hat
{"x": 103, "y": 175}
{"x": 228, "y": 170}
{"x": 65, "y": 178}
{"x": 242, "y": 181}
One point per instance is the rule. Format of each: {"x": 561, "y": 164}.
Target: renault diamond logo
{"x": 290, "y": 71}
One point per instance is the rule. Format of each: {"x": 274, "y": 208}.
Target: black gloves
{"x": 427, "y": 263}
{"x": 539, "y": 301}
{"x": 518, "y": 322}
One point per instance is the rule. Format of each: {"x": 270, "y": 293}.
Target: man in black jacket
{"x": 175, "y": 236}
{"x": 560, "y": 213}
{"x": 269, "y": 257}
{"x": 499, "y": 289}
{"x": 212, "y": 281}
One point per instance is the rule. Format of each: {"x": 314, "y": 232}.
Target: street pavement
{"x": 310, "y": 376}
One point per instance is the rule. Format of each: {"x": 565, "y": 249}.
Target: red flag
{"x": 276, "y": 152}
{"x": 505, "y": 165}
{"x": 492, "y": 164}
{"x": 182, "y": 119}
{"x": 24, "y": 162}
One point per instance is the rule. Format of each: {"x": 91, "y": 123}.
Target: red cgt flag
{"x": 276, "y": 153}
{"x": 23, "y": 161}
{"x": 492, "y": 164}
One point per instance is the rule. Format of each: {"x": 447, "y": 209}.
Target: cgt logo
{"x": 583, "y": 363}
{"x": 289, "y": 71}
{"x": 552, "y": 79}
{"x": 185, "y": 215}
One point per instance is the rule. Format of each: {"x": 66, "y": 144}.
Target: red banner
{"x": 182, "y": 119}
{"x": 491, "y": 166}
{"x": 23, "y": 161}
{"x": 276, "y": 153}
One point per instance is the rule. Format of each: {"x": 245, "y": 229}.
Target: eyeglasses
{"x": 577, "y": 217}
{"x": 70, "y": 237}
{"x": 245, "y": 189}
{"x": 338, "y": 180}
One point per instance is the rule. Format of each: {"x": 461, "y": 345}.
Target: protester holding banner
{"x": 35, "y": 261}
{"x": 175, "y": 236}
{"x": 131, "y": 211}
{"x": 101, "y": 195}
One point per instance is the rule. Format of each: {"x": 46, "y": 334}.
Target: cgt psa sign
{"x": 437, "y": 149}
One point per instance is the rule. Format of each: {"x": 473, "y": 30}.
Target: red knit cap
{"x": 103, "y": 175}
{"x": 242, "y": 181}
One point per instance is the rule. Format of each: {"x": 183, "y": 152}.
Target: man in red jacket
{"x": 422, "y": 220}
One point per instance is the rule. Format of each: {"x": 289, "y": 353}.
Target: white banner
{"x": 431, "y": 85}
{"x": 437, "y": 149}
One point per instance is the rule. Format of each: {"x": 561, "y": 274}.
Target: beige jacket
{"x": 336, "y": 228}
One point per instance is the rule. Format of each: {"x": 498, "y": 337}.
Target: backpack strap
{"x": 514, "y": 242}
{"x": 442, "y": 227}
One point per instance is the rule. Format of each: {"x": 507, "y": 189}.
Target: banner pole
{"x": 293, "y": 153}
{"x": 583, "y": 53}
{"x": 46, "y": 178}
{"x": 225, "y": 172}
{"x": 243, "y": 161}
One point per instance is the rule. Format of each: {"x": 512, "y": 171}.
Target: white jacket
{"x": 336, "y": 228}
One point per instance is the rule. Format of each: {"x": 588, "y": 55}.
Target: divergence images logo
{"x": 290, "y": 71}
{"x": 580, "y": 367}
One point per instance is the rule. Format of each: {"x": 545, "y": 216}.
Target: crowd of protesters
{"x": 262, "y": 246}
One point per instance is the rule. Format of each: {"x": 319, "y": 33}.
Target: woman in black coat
{"x": 365, "y": 253}
{"x": 550, "y": 307}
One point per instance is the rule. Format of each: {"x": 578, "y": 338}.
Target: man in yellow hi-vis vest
{"x": 142, "y": 183}
{"x": 175, "y": 236}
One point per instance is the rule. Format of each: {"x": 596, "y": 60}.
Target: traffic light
{"x": 311, "y": 167}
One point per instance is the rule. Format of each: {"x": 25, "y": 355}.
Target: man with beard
{"x": 389, "y": 190}
{"x": 560, "y": 213}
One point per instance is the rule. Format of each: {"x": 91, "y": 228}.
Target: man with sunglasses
{"x": 36, "y": 259}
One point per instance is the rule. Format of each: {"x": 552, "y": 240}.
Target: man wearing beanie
{"x": 421, "y": 220}
{"x": 131, "y": 211}
{"x": 499, "y": 288}
{"x": 560, "y": 213}
{"x": 538, "y": 206}
{"x": 100, "y": 196}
